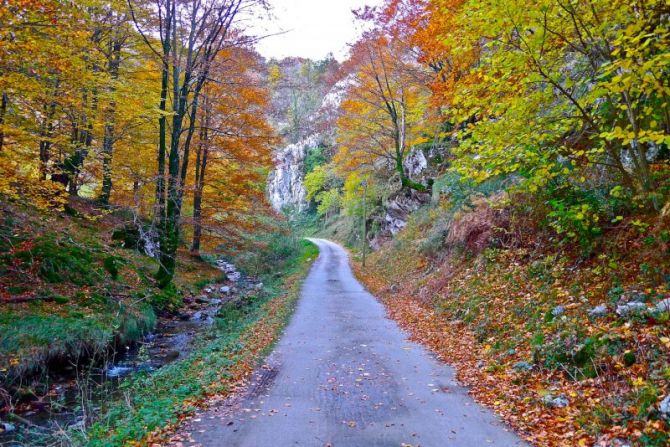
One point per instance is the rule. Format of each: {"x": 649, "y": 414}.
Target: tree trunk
{"x": 201, "y": 48}
{"x": 108, "y": 139}
{"x": 159, "y": 213}
{"x": 82, "y": 142}
{"x": 167, "y": 252}
{"x": 200, "y": 169}
{"x": 3, "y": 112}
{"x": 405, "y": 181}
{"x": 46, "y": 132}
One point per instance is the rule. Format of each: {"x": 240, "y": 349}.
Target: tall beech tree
{"x": 233, "y": 151}
{"x": 191, "y": 35}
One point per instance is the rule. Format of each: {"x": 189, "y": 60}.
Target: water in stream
{"x": 77, "y": 392}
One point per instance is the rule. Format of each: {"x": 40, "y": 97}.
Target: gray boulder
{"x": 630, "y": 309}
{"x": 522, "y": 366}
{"x": 599, "y": 311}
{"x": 558, "y": 310}
{"x": 663, "y": 306}
{"x": 225, "y": 289}
{"x": 556, "y": 402}
{"x": 664, "y": 407}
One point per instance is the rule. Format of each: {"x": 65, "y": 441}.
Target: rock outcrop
{"x": 286, "y": 187}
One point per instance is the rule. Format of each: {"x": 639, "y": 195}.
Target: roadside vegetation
{"x": 570, "y": 349}
{"x": 129, "y": 174}
{"x": 75, "y": 298}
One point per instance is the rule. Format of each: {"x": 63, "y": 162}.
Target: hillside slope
{"x": 571, "y": 348}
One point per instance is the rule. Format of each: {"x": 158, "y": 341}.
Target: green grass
{"x": 28, "y": 339}
{"x": 83, "y": 294}
{"x": 78, "y": 304}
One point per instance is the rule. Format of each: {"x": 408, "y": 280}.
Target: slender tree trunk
{"x": 187, "y": 87}
{"x": 405, "y": 181}
{"x": 82, "y": 144}
{"x": 170, "y": 228}
{"x": 46, "y": 133}
{"x": 178, "y": 163}
{"x": 3, "y": 112}
{"x": 159, "y": 213}
{"x": 108, "y": 139}
{"x": 200, "y": 170}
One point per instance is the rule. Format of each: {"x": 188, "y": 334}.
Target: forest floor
{"x": 70, "y": 290}
{"x": 344, "y": 375}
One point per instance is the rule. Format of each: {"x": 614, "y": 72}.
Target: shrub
{"x": 575, "y": 355}
{"x": 112, "y": 264}
{"x": 577, "y": 212}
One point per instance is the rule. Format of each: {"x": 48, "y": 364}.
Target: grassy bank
{"x": 244, "y": 332}
{"x": 540, "y": 332}
{"x": 70, "y": 292}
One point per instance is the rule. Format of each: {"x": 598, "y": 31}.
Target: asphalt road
{"x": 345, "y": 375}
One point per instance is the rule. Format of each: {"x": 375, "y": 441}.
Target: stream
{"x": 61, "y": 406}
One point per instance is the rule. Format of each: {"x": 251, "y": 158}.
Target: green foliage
{"x": 329, "y": 201}
{"x": 578, "y": 222}
{"x": 315, "y": 181}
{"x": 323, "y": 189}
{"x": 59, "y": 260}
{"x": 534, "y": 123}
{"x": 578, "y": 213}
{"x": 168, "y": 297}
{"x": 461, "y": 190}
{"x": 275, "y": 252}
{"x": 359, "y": 186}
{"x": 315, "y": 157}
{"x": 570, "y": 354}
{"x": 112, "y": 264}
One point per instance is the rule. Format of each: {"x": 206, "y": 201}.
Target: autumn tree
{"x": 384, "y": 113}
{"x": 191, "y": 35}
{"x": 298, "y": 87}
{"x": 233, "y": 150}
{"x": 48, "y": 82}
{"x": 582, "y": 82}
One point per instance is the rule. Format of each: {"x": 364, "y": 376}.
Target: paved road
{"x": 345, "y": 375}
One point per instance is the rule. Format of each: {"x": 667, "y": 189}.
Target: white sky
{"x": 313, "y": 28}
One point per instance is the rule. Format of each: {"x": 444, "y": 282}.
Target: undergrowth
{"x": 69, "y": 294}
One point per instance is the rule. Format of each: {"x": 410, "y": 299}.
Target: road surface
{"x": 345, "y": 375}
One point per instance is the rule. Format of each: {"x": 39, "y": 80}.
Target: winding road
{"x": 345, "y": 375}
